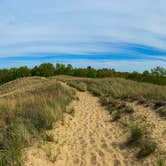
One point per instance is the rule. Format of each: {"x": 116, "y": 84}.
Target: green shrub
{"x": 160, "y": 162}
{"x": 162, "y": 112}
{"x": 70, "y": 110}
{"x": 116, "y": 114}
{"x": 10, "y": 147}
{"x": 147, "y": 148}
{"x": 48, "y": 136}
{"x": 136, "y": 134}
{"x": 127, "y": 109}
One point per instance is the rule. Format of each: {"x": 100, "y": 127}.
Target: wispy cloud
{"x": 109, "y": 29}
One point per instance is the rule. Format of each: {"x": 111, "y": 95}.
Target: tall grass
{"x": 115, "y": 94}
{"x": 126, "y": 90}
{"x": 25, "y": 116}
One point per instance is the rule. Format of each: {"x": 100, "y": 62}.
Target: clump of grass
{"x": 147, "y": 147}
{"x": 78, "y": 85}
{"x": 116, "y": 107}
{"x": 48, "y": 136}
{"x": 161, "y": 162}
{"x": 127, "y": 109}
{"x": 136, "y": 135}
{"x": 26, "y": 115}
{"x": 11, "y": 143}
{"x": 52, "y": 156}
{"x": 140, "y": 138}
{"x": 162, "y": 112}
{"x": 161, "y": 159}
{"x": 95, "y": 91}
{"x": 70, "y": 110}
{"x": 116, "y": 114}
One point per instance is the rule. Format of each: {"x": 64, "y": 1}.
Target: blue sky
{"x": 125, "y": 35}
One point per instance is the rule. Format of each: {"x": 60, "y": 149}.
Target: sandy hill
{"x": 104, "y": 122}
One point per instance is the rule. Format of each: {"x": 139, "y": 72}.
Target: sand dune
{"x": 88, "y": 138}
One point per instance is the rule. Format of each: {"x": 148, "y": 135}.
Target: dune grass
{"x": 115, "y": 94}
{"x": 122, "y": 89}
{"x": 26, "y": 115}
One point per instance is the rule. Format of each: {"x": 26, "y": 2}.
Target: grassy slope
{"x": 28, "y": 107}
{"x": 118, "y": 88}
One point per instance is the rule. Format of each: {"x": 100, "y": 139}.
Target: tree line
{"x": 156, "y": 75}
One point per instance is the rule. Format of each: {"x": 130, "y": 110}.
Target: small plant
{"x": 136, "y": 134}
{"x": 162, "y": 112}
{"x": 78, "y": 85}
{"x": 161, "y": 162}
{"x": 161, "y": 158}
{"x": 128, "y": 109}
{"x": 52, "y": 156}
{"x": 70, "y": 110}
{"x": 147, "y": 148}
{"x": 49, "y": 136}
{"x": 116, "y": 114}
{"x": 121, "y": 105}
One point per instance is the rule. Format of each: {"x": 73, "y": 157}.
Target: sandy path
{"x": 87, "y": 139}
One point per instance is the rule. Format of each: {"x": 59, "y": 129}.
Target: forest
{"x": 156, "y": 75}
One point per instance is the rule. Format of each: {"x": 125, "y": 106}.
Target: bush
{"x": 48, "y": 136}
{"x": 127, "y": 109}
{"x": 70, "y": 110}
{"x": 10, "y": 147}
{"x": 162, "y": 112}
{"x": 147, "y": 147}
{"x": 136, "y": 134}
{"x": 116, "y": 114}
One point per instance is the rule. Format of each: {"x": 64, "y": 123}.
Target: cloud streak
{"x": 112, "y": 30}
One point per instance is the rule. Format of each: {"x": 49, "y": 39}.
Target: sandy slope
{"x": 86, "y": 139}
{"x": 90, "y": 139}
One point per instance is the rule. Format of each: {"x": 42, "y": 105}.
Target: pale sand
{"x": 87, "y": 139}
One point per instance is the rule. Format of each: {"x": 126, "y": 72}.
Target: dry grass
{"x": 122, "y": 89}
{"x": 116, "y": 94}
{"x": 28, "y": 107}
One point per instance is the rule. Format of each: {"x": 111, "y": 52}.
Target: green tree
{"x": 69, "y": 69}
{"x": 91, "y": 72}
{"x": 60, "y": 68}
{"x": 46, "y": 70}
{"x": 23, "y": 71}
{"x": 158, "y": 71}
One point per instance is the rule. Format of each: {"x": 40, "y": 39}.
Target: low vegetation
{"x": 140, "y": 137}
{"x": 114, "y": 91}
{"x": 26, "y": 114}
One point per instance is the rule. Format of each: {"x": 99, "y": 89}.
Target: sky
{"x": 125, "y": 35}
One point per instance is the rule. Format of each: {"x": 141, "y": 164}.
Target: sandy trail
{"x": 86, "y": 139}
